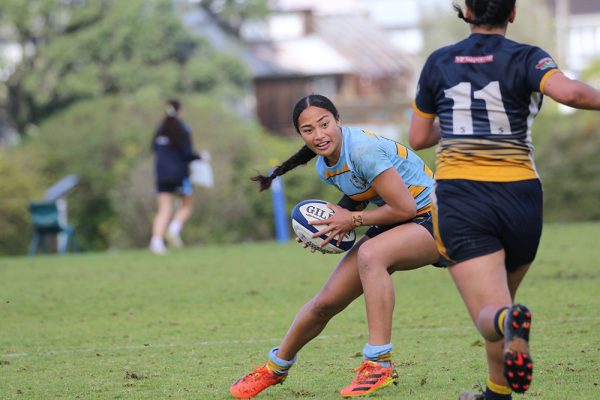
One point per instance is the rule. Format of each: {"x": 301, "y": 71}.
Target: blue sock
{"x": 279, "y": 365}
{"x": 380, "y": 354}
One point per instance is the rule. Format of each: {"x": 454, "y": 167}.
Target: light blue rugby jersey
{"x": 364, "y": 156}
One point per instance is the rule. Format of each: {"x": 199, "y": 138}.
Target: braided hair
{"x": 487, "y": 12}
{"x": 305, "y": 154}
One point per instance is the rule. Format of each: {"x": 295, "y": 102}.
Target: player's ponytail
{"x": 487, "y": 12}
{"x": 301, "y": 157}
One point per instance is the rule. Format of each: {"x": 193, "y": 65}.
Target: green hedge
{"x": 568, "y": 161}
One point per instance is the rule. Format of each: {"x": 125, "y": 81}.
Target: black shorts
{"x": 425, "y": 220}
{"x": 182, "y": 188}
{"x": 473, "y": 219}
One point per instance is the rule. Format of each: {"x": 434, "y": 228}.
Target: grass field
{"x": 130, "y": 325}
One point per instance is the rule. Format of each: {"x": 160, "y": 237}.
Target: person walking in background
{"x": 367, "y": 168}
{"x": 486, "y": 90}
{"x": 173, "y": 149}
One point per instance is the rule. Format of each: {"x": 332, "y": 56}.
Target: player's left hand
{"x": 338, "y": 224}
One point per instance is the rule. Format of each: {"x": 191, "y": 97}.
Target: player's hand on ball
{"x": 336, "y": 226}
{"x": 306, "y": 245}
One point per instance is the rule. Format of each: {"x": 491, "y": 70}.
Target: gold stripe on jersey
{"x": 416, "y": 190}
{"x": 366, "y": 195}
{"x": 366, "y": 132}
{"x": 421, "y": 113}
{"x": 329, "y": 174}
{"x": 428, "y": 171}
{"x": 545, "y": 78}
{"x": 484, "y": 160}
{"x": 370, "y": 193}
{"x": 402, "y": 150}
{"x": 424, "y": 209}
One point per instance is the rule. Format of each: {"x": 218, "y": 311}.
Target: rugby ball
{"x": 310, "y": 210}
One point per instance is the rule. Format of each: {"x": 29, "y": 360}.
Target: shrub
{"x": 568, "y": 160}
{"x": 21, "y": 183}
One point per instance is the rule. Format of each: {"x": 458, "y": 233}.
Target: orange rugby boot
{"x": 371, "y": 377}
{"x": 255, "y": 382}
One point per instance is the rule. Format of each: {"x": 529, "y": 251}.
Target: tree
{"x": 232, "y": 14}
{"x": 81, "y": 49}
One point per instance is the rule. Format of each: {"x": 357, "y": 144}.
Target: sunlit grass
{"x": 131, "y": 325}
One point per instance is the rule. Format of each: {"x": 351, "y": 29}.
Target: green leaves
{"x": 76, "y": 50}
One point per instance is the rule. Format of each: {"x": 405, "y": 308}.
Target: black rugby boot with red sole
{"x": 518, "y": 364}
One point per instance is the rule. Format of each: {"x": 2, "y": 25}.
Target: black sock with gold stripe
{"x": 499, "y": 320}
{"x": 493, "y": 391}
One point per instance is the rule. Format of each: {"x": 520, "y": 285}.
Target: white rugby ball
{"x": 310, "y": 210}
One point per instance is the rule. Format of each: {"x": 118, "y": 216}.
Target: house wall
{"x": 275, "y": 98}
{"x": 578, "y": 32}
{"x": 357, "y": 102}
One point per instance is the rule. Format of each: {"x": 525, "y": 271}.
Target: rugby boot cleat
{"x": 518, "y": 364}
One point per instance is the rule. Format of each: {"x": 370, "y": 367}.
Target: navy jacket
{"x": 172, "y": 159}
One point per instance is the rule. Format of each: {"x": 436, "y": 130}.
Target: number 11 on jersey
{"x": 462, "y": 112}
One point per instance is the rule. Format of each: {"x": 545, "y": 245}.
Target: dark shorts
{"x": 473, "y": 219}
{"x": 425, "y": 220}
{"x": 182, "y": 188}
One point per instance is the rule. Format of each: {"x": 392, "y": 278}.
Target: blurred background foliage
{"x": 106, "y": 142}
{"x": 92, "y": 87}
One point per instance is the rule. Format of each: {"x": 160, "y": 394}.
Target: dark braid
{"x": 487, "y": 12}
{"x": 303, "y": 156}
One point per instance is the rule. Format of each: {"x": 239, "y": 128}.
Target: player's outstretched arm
{"x": 571, "y": 92}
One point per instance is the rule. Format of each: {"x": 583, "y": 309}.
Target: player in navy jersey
{"x": 486, "y": 91}
{"x": 366, "y": 168}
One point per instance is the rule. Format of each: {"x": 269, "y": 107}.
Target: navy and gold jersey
{"x": 365, "y": 155}
{"x": 486, "y": 91}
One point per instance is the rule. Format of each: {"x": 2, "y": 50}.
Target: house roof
{"x": 339, "y": 44}
{"x": 199, "y": 22}
{"x": 320, "y": 7}
{"x": 368, "y": 49}
{"x": 308, "y": 55}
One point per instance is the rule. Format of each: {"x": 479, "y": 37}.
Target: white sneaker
{"x": 158, "y": 249}
{"x": 174, "y": 240}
